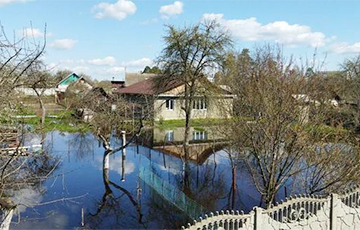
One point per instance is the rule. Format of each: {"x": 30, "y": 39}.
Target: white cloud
{"x": 174, "y": 9}
{"x": 34, "y": 33}
{"x": 139, "y": 63}
{"x": 63, "y": 44}
{"x": 103, "y": 61}
{"x": 4, "y": 2}
{"x": 115, "y": 70}
{"x": 148, "y": 22}
{"x": 119, "y": 10}
{"x": 102, "y": 68}
{"x": 80, "y": 69}
{"x": 28, "y": 197}
{"x": 279, "y": 31}
{"x": 346, "y": 48}
{"x": 115, "y": 164}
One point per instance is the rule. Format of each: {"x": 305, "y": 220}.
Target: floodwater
{"x": 142, "y": 188}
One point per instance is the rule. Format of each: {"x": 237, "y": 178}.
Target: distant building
{"x": 166, "y": 103}
{"x": 66, "y": 82}
{"x": 115, "y": 85}
{"x": 97, "y": 95}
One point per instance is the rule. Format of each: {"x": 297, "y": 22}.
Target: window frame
{"x": 200, "y": 104}
{"x": 169, "y": 136}
{"x": 170, "y": 104}
{"x": 199, "y": 135}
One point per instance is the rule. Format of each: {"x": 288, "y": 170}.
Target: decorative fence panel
{"x": 334, "y": 212}
{"x": 347, "y": 210}
{"x": 170, "y": 193}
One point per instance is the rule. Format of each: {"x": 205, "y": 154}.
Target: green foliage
{"x": 154, "y": 69}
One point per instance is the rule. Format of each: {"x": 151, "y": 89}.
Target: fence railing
{"x": 299, "y": 212}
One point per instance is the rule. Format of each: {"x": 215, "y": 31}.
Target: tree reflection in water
{"x": 81, "y": 144}
{"x": 205, "y": 185}
{"x": 110, "y": 204}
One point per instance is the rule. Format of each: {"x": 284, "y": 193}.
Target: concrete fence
{"x": 335, "y": 212}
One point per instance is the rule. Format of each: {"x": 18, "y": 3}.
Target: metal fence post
{"x": 258, "y": 218}
{"x": 334, "y": 205}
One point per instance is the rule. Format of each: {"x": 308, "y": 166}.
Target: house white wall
{"x": 216, "y": 108}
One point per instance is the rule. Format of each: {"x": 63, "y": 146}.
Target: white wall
{"x": 31, "y": 92}
{"x": 217, "y": 108}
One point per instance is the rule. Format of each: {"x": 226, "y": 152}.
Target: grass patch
{"x": 64, "y": 121}
{"x": 196, "y": 123}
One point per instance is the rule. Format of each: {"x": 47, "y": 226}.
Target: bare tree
{"x": 190, "y": 54}
{"x": 39, "y": 80}
{"x": 280, "y": 125}
{"x": 17, "y": 169}
{"x": 107, "y": 115}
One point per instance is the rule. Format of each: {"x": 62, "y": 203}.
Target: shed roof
{"x": 133, "y": 78}
{"x": 73, "y": 77}
{"x": 147, "y": 87}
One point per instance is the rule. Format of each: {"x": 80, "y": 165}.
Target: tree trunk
{"x": 6, "y": 217}
{"x": 269, "y": 199}
{"x": 43, "y": 115}
{"x": 6, "y": 213}
{"x": 42, "y": 107}
{"x": 186, "y": 137}
{"x": 233, "y": 187}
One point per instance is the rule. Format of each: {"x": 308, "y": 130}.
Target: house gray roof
{"x": 133, "y": 78}
{"x": 147, "y": 87}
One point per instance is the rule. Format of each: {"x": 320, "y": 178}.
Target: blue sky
{"x": 102, "y": 38}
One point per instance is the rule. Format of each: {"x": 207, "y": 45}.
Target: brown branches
{"x": 281, "y": 124}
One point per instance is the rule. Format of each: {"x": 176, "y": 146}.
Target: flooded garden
{"x": 140, "y": 187}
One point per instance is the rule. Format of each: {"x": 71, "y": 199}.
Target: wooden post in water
{"x": 123, "y": 134}
{"x": 123, "y": 168}
{"x": 82, "y": 217}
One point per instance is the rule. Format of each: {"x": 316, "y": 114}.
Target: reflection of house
{"x": 166, "y": 102}
{"x": 203, "y": 142}
{"x": 72, "y": 79}
{"x": 176, "y": 135}
{"x": 11, "y": 141}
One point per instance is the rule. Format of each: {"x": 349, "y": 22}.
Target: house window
{"x": 200, "y": 104}
{"x": 199, "y": 135}
{"x": 169, "y": 136}
{"x": 169, "y": 104}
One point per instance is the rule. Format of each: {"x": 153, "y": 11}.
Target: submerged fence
{"x": 333, "y": 212}
{"x": 170, "y": 193}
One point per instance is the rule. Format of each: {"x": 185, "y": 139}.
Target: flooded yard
{"x": 142, "y": 188}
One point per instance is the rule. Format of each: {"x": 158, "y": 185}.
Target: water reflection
{"x": 203, "y": 141}
{"x": 110, "y": 205}
{"x": 121, "y": 195}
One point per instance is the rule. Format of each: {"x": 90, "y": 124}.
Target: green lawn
{"x": 196, "y": 123}
{"x": 62, "y": 121}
